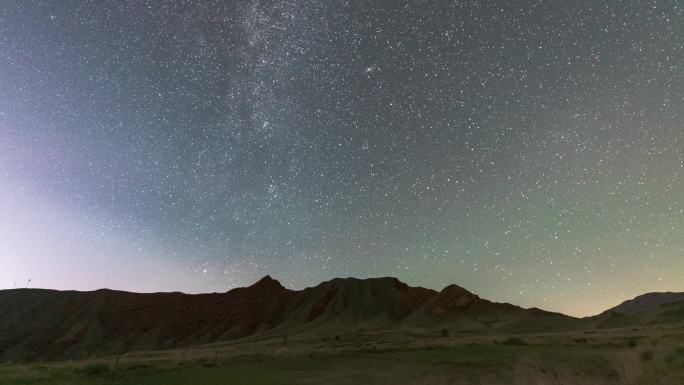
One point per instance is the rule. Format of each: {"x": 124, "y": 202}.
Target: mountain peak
{"x": 450, "y": 299}
{"x": 455, "y": 291}
{"x": 453, "y": 288}
{"x": 337, "y": 305}
{"x": 268, "y": 281}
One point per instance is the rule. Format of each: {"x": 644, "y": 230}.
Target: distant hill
{"x": 647, "y": 302}
{"x": 646, "y": 309}
{"x": 38, "y": 324}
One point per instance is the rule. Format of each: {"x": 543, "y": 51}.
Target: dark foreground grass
{"x": 542, "y": 362}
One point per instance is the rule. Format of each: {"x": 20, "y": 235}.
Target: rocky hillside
{"x": 37, "y": 324}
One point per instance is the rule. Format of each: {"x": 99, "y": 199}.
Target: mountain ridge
{"x": 45, "y": 324}
{"x": 647, "y": 301}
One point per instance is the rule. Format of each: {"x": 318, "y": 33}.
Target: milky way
{"x": 529, "y": 151}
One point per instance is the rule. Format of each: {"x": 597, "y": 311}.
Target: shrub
{"x": 646, "y": 356}
{"x": 95, "y": 369}
{"x": 514, "y": 341}
{"x": 444, "y": 333}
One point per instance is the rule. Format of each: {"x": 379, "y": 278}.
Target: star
{"x": 452, "y": 142}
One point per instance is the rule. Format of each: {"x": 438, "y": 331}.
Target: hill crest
{"x": 49, "y": 324}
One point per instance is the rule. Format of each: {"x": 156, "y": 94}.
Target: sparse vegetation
{"x": 95, "y": 369}
{"x": 514, "y": 341}
{"x": 529, "y": 359}
{"x": 646, "y": 356}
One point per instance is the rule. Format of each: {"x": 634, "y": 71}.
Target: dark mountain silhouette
{"x": 38, "y": 324}
{"x": 646, "y": 309}
{"x": 51, "y": 324}
{"x": 647, "y": 302}
{"x": 458, "y": 308}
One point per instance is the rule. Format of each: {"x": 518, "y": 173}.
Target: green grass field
{"x": 644, "y": 356}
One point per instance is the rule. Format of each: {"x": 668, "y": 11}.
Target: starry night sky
{"x": 532, "y": 151}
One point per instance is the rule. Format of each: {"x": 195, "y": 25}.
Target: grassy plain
{"x": 648, "y": 356}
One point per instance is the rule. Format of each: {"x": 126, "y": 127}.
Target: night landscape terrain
{"x": 343, "y": 331}
{"x": 342, "y": 192}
